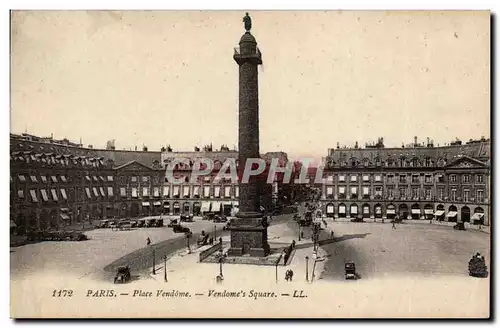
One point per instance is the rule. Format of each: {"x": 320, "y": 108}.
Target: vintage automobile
{"x": 124, "y": 225}
{"x": 141, "y": 223}
{"x": 357, "y": 220}
{"x": 159, "y": 223}
{"x": 172, "y": 223}
{"x": 103, "y": 224}
{"x": 477, "y": 267}
{"x": 133, "y": 224}
{"x": 209, "y": 216}
{"x": 350, "y": 270}
{"x": 180, "y": 229}
{"x": 459, "y": 226}
{"x": 122, "y": 275}
{"x": 186, "y": 218}
{"x": 150, "y": 223}
{"x": 220, "y": 218}
{"x": 113, "y": 225}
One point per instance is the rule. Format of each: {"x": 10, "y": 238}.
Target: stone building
{"x": 417, "y": 181}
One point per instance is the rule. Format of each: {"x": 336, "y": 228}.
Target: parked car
{"x": 187, "y": 218}
{"x": 180, "y": 229}
{"x": 141, "y": 223}
{"x": 103, "y": 224}
{"x": 150, "y": 223}
{"x": 172, "y": 223}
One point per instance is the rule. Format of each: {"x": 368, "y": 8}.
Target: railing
{"x": 206, "y": 253}
{"x": 238, "y": 52}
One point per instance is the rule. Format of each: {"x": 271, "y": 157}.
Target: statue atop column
{"x": 248, "y": 22}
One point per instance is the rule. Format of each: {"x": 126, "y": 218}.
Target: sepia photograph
{"x": 250, "y": 164}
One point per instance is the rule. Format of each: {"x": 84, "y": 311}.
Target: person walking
{"x": 290, "y": 274}
{"x": 148, "y": 241}
{"x": 393, "y": 224}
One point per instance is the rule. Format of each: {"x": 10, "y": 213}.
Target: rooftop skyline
{"x": 159, "y": 78}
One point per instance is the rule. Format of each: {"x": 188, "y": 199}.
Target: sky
{"x": 163, "y": 77}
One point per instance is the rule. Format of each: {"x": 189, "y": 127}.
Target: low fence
{"x": 206, "y": 253}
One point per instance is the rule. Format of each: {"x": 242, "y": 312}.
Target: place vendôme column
{"x": 248, "y": 234}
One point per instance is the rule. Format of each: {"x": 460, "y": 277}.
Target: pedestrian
{"x": 287, "y": 275}
{"x": 148, "y": 241}
{"x": 293, "y": 244}
{"x": 331, "y": 234}
{"x": 290, "y": 274}
{"x": 393, "y": 224}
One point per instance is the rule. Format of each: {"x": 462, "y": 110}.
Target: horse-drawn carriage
{"x": 477, "y": 267}
{"x": 122, "y": 275}
{"x": 350, "y": 270}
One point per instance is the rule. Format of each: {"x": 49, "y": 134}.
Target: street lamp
{"x": 165, "y": 267}
{"x": 221, "y": 259}
{"x": 154, "y": 262}
{"x": 307, "y": 268}
{"x": 188, "y": 235}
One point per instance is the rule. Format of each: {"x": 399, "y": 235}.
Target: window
{"x": 354, "y": 192}
{"x": 166, "y": 191}
{"x": 22, "y": 178}
{"x": 133, "y": 179}
{"x": 378, "y": 191}
{"x": 466, "y": 178}
{"x": 145, "y": 179}
{"x": 390, "y": 192}
{"x": 353, "y": 178}
{"x": 95, "y": 178}
{"x": 87, "y": 178}
{"x": 378, "y": 178}
{"x": 329, "y": 191}
{"x": 20, "y": 194}
{"x": 330, "y": 178}
{"x": 390, "y": 179}
{"x": 428, "y": 178}
{"x": 237, "y": 191}
{"x": 414, "y": 179}
{"x": 440, "y": 178}
{"x": 440, "y": 193}
{"x": 453, "y": 195}
{"x": 479, "y": 178}
{"x": 110, "y": 191}
{"x": 54, "y": 178}
{"x": 102, "y": 178}
{"x": 342, "y": 192}
{"x": 206, "y": 179}
{"x": 402, "y": 178}
{"x": 480, "y": 196}
{"x": 134, "y": 192}
{"x": 185, "y": 191}
{"x": 87, "y": 190}
{"x": 366, "y": 192}
{"x": 54, "y": 194}
{"x": 415, "y": 193}
{"x": 34, "y": 199}
{"x": 95, "y": 192}
{"x": 63, "y": 178}
{"x": 44, "y": 178}
{"x": 341, "y": 178}
{"x": 45, "y": 198}
{"x": 227, "y": 191}
{"x": 217, "y": 191}
{"x": 453, "y": 178}
{"x": 34, "y": 179}
{"x": 428, "y": 193}
{"x": 466, "y": 195}
{"x": 206, "y": 191}
{"x": 366, "y": 178}
{"x": 63, "y": 194}
{"x": 110, "y": 178}
{"x": 145, "y": 191}
{"x": 156, "y": 192}
{"x": 402, "y": 193}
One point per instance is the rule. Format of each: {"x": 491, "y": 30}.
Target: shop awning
{"x": 33, "y": 196}
{"x": 102, "y": 178}
{"x": 95, "y": 178}
{"x": 110, "y": 178}
{"x": 101, "y": 189}
{"x": 452, "y": 214}
{"x": 110, "y": 191}
{"x": 439, "y": 213}
{"x": 87, "y": 190}
{"x": 415, "y": 211}
{"x": 44, "y": 178}
{"x": 227, "y": 203}
{"x": 22, "y": 178}
{"x": 145, "y": 204}
{"x": 166, "y": 205}
{"x": 54, "y": 194}
{"x": 176, "y": 205}
{"x": 236, "y": 203}
{"x": 44, "y": 195}
{"x": 63, "y": 178}
{"x": 428, "y": 211}
{"x": 157, "y": 203}
{"x": 64, "y": 216}
{"x": 391, "y": 211}
{"x": 87, "y": 177}
{"x": 477, "y": 216}
{"x": 216, "y": 206}
{"x": 94, "y": 189}
{"x": 63, "y": 194}
{"x": 54, "y": 178}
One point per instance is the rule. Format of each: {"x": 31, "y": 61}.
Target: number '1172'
{"x": 62, "y": 293}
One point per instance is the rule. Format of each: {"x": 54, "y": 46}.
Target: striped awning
{"x": 477, "y": 216}
{"x": 452, "y": 214}
{"x": 439, "y": 213}
{"x": 391, "y": 211}
{"x": 428, "y": 211}
{"x": 415, "y": 211}
{"x": 145, "y": 204}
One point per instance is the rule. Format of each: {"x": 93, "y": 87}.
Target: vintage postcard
{"x": 261, "y": 164}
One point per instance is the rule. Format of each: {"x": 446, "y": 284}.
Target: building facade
{"x": 450, "y": 183}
